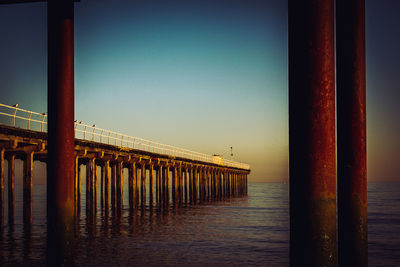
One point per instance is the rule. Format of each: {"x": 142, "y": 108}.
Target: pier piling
{"x": 312, "y": 159}
{"x": 60, "y": 164}
{"x": 351, "y": 143}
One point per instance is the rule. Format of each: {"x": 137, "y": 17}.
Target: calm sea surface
{"x": 251, "y": 231}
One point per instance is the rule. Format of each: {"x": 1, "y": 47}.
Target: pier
{"x": 157, "y": 173}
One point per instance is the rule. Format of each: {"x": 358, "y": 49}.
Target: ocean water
{"x": 245, "y": 231}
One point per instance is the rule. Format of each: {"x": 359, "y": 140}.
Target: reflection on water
{"x": 251, "y": 230}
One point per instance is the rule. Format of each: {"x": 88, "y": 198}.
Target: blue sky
{"x": 203, "y": 75}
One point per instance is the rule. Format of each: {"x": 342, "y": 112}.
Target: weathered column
{"x": 161, "y": 183}
{"x": 212, "y": 184}
{"x": 27, "y": 198}
{"x": 60, "y": 164}
{"x": 201, "y": 184}
{"x": 187, "y": 184}
{"x": 89, "y": 183}
{"x": 11, "y": 184}
{"x": 120, "y": 183}
{"x": 166, "y": 184}
{"x": 194, "y": 183}
{"x": 209, "y": 188}
{"x": 180, "y": 179}
{"x": 173, "y": 185}
{"x": 351, "y": 130}
{"x": 94, "y": 197}
{"x": 76, "y": 185}
{"x": 102, "y": 187}
{"x": 143, "y": 185}
{"x": 151, "y": 167}
{"x": 130, "y": 184}
{"x": 113, "y": 184}
{"x": 247, "y": 183}
{"x": 159, "y": 187}
{"x": 219, "y": 175}
{"x": 312, "y": 133}
{"x": 136, "y": 185}
{"x": 106, "y": 183}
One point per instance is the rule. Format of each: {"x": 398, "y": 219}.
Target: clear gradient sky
{"x": 203, "y": 75}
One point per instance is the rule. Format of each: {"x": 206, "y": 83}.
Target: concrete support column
{"x": 102, "y": 187}
{"x": 209, "y": 188}
{"x": 220, "y": 185}
{"x": 120, "y": 184}
{"x": 200, "y": 181}
{"x": 162, "y": 183}
{"x": 158, "y": 183}
{"x": 136, "y": 184}
{"x": 351, "y": 143}
{"x": 174, "y": 184}
{"x": 60, "y": 164}
{"x": 143, "y": 185}
{"x": 77, "y": 189}
{"x": 180, "y": 183}
{"x": 11, "y": 185}
{"x": 213, "y": 184}
{"x": 312, "y": 133}
{"x": 187, "y": 184}
{"x": 113, "y": 185}
{"x": 194, "y": 184}
{"x": 27, "y": 185}
{"x": 106, "y": 183}
{"x": 151, "y": 167}
{"x": 166, "y": 191}
{"x": 189, "y": 176}
{"x": 130, "y": 184}
{"x": 90, "y": 179}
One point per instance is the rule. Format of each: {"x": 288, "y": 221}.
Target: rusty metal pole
{"x": 351, "y": 143}
{"x": 312, "y": 159}
{"x": 60, "y": 165}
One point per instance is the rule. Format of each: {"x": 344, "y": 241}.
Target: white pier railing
{"x": 21, "y": 118}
